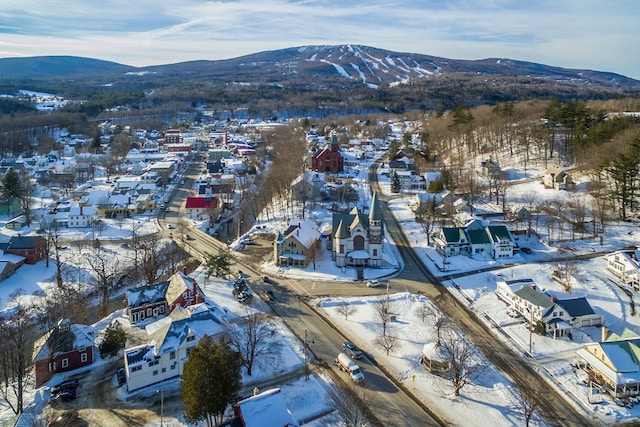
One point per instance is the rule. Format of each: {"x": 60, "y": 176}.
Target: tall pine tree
{"x": 211, "y": 381}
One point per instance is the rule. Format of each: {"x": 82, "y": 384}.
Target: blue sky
{"x": 601, "y": 35}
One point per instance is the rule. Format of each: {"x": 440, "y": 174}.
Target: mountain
{"x": 348, "y": 65}
{"x": 44, "y": 67}
{"x": 342, "y": 79}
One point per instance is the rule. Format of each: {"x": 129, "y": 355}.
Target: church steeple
{"x": 375, "y": 220}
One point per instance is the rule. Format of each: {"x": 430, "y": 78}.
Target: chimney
{"x": 533, "y": 287}
{"x": 256, "y": 391}
{"x": 605, "y": 332}
{"x": 195, "y": 293}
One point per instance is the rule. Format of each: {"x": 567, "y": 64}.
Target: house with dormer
{"x": 170, "y": 340}
{"x": 295, "y": 245}
{"x": 161, "y": 298}
{"x": 357, "y": 238}
{"x": 64, "y": 348}
{"x": 475, "y": 238}
{"x": 559, "y": 315}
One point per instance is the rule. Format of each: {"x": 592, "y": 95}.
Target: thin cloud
{"x": 594, "y": 34}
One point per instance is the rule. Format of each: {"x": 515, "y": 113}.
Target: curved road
{"x": 389, "y": 403}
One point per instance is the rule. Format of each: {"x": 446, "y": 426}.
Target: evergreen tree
{"x": 218, "y": 265}
{"x": 115, "y": 339}
{"x": 211, "y": 381}
{"x": 11, "y": 184}
{"x": 395, "y": 182}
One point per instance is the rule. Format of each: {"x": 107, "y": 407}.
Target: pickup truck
{"x": 345, "y": 363}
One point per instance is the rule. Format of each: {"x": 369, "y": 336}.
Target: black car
{"x": 526, "y": 250}
{"x": 65, "y": 395}
{"x": 64, "y": 385}
{"x": 121, "y": 376}
{"x": 270, "y": 295}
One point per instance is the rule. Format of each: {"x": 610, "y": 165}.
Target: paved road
{"x": 415, "y": 277}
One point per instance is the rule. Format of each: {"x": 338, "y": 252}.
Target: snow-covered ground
{"x": 490, "y": 398}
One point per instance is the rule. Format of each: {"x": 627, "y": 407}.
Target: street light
{"x": 161, "y": 391}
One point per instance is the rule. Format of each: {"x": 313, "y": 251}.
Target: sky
{"x": 588, "y": 34}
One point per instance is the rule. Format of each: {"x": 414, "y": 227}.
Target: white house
{"x": 626, "y": 266}
{"x": 559, "y": 316}
{"x": 170, "y": 341}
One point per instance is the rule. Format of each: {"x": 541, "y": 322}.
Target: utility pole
{"x": 531, "y": 332}
{"x": 161, "y": 391}
{"x": 306, "y": 357}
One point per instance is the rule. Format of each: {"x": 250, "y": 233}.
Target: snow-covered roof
{"x": 267, "y": 409}
{"x": 148, "y": 294}
{"x": 198, "y": 319}
{"x": 76, "y": 337}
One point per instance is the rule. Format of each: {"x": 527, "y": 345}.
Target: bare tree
{"x": 249, "y": 337}
{"x": 314, "y": 254}
{"x": 51, "y": 230}
{"x": 387, "y": 342}
{"x": 426, "y": 215}
{"x": 14, "y": 356}
{"x": 463, "y": 358}
{"x": 104, "y": 264}
{"x": 352, "y": 403}
{"x": 525, "y": 399}
{"x": 436, "y": 318}
{"x": 530, "y": 200}
{"x": 384, "y": 311}
{"x": 346, "y": 310}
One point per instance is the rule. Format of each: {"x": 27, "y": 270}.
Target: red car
{"x": 65, "y": 419}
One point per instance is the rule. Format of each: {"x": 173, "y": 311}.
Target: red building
{"x": 161, "y": 298}
{"x": 32, "y": 248}
{"x": 328, "y": 159}
{"x": 64, "y": 348}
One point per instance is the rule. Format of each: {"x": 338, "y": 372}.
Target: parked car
{"x": 266, "y": 279}
{"x": 270, "y": 295}
{"x": 121, "y": 376}
{"x": 373, "y": 284}
{"x": 64, "y": 396}
{"x": 65, "y": 385}
{"x": 170, "y": 226}
{"x": 65, "y": 419}
{"x": 352, "y": 350}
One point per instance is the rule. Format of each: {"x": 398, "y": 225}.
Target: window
{"x": 136, "y": 368}
{"x": 163, "y": 370}
{"x": 155, "y": 372}
{"x": 84, "y": 357}
{"x": 52, "y": 366}
{"x": 375, "y": 252}
{"x": 191, "y": 338}
{"x": 65, "y": 363}
{"x": 154, "y": 362}
{"x": 172, "y": 355}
